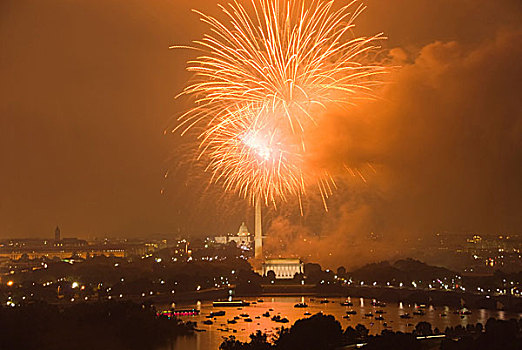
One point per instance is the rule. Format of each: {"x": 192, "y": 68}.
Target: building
{"x": 57, "y": 234}
{"x": 243, "y": 238}
{"x": 283, "y": 268}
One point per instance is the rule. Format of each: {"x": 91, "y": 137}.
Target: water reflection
{"x": 212, "y": 335}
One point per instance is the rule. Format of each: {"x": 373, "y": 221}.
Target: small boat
{"x": 217, "y": 313}
{"x": 208, "y": 322}
{"x": 232, "y": 321}
{"x": 230, "y": 303}
{"x": 443, "y": 314}
{"x": 324, "y": 301}
{"x": 307, "y": 313}
{"x": 266, "y": 314}
{"x": 419, "y": 313}
{"x": 270, "y": 309}
{"x": 300, "y": 305}
{"x": 248, "y": 319}
{"x": 378, "y": 303}
{"x": 280, "y": 319}
{"x": 346, "y": 303}
{"x": 379, "y": 318}
{"x": 369, "y": 314}
{"x": 466, "y": 312}
{"x": 380, "y": 312}
{"x": 257, "y": 317}
{"x": 351, "y": 312}
{"x": 181, "y": 312}
{"x": 260, "y": 300}
{"x": 347, "y": 317}
{"x": 406, "y": 315}
{"x": 244, "y": 315}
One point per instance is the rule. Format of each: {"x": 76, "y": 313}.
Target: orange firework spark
{"x": 264, "y": 77}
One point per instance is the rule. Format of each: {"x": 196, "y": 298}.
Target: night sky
{"x": 87, "y": 89}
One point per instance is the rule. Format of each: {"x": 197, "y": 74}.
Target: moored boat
{"x": 230, "y": 303}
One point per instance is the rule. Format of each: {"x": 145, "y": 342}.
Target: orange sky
{"x": 87, "y": 88}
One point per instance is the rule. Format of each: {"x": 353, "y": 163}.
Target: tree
{"x": 317, "y": 332}
{"x": 341, "y": 271}
{"x": 423, "y": 328}
{"x": 271, "y": 275}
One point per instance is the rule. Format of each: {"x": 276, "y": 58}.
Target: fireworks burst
{"x": 264, "y": 77}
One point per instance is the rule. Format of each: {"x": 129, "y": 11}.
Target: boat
{"x": 280, "y": 319}
{"x": 443, "y": 314}
{"x": 266, "y": 314}
{"x": 307, "y": 313}
{"x": 260, "y": 300}
{"x": 244, "y": 315}
{"x": 380, "y": 312}
{"x": 346, "y": 316}
{"x": 257, "y": 317}
{"x": 406, "y": 315}
{"x": 419, "y": 313}
{"x": 324, "y": 301}
{"x": 351, "y": 312}
{"x": 369, "y": 314}
{"x": 217, "y": 313}
{"x": 209, "y": 322}
{"x": 230, "y": 303}
{"x": 180, "y": 312}
{"x": 300, "y": 305}
{"x": 270, "y": 309}
{"x": 378, "y": 303}
{"x": 232, "y": 321}
{"x": 346, "y": 303}
{"x": 236, "y": 317}
{"x": 248, "y": 319}
{"x": 379, "y": 318}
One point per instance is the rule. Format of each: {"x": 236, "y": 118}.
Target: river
{"x": 212, "y": 335}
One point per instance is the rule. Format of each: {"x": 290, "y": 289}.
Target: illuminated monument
{"x": 258, "y": 234}
{"x": 243, "y": 239}
{"x": 283, "y": 268}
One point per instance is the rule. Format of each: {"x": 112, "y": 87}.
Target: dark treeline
{"x": 109, "y": 325}
{"x": 325, "y": 332}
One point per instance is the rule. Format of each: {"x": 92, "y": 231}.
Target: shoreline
{"x": 409, "y": 296}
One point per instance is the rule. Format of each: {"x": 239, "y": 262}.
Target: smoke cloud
{"x": 439, "y": 150}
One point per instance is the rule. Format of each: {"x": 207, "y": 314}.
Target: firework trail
{"x": 264, "y": 77}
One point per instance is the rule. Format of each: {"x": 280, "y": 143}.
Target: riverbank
{"x": 392, "y": 295}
